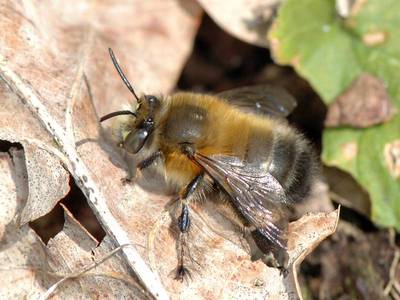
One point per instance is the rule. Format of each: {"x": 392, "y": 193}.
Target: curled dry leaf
{"x": 41, "y": 162}
{"x": 23, "y": 260}
{"x": 247, "y": 20}
{"x": 364, "y": 103}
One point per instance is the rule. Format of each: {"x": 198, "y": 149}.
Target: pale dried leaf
{"x": 49, "y": 47}
{"x": 22, "y": 255}
{"x": 54, "y": 56}
{"x": 306, "y": 234}
{"x": 248, "y": 20}
{"x": 29, "y": 268}
{"x": 48, "y": 183}
{"x": 73, "y": 249}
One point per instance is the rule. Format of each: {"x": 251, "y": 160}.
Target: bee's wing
{"x": 254, "y": 192}
{"x": 262, "y": 99}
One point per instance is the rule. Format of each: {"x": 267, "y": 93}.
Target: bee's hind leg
{"x": 184, "y": 224}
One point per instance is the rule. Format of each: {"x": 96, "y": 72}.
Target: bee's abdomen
{"x": 292, "y": 163}
{"x": 286, "y": 155}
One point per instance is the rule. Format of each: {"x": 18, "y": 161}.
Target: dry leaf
{"x": 18, "y": 125}
{"x": 54, "y": 57}
{"x": 29, "y": 268}
{"x": 73, "y": 249}
{"x": 364, "y": 103}
{"x": 247, "y": 20}
{"x": 23, "y": 260}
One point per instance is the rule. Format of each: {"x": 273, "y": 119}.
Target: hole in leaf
{"x": 76, "y": 203}
{"x": 220, "y": 61}
{"x": 357, "y": 219}
{"x": 5, "y": 146}
{"x": 49, "y": 225}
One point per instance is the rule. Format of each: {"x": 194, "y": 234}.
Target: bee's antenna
{"x": 117, "y": 113}
{"x": 122, "y": 75}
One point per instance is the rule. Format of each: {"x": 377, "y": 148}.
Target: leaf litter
{"x": 59, "y": 55}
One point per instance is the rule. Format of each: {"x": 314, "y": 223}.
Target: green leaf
{"x": 331, "y": 52}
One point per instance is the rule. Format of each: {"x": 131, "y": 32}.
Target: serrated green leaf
{"x": 331, "y": 52}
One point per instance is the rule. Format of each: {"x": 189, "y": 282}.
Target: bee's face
{"x": 143, "y": 126}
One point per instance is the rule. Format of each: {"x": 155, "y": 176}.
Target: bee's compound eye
{"x": 135, "y": 140}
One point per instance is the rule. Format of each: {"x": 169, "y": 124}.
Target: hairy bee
{"x": 236, "y": 144}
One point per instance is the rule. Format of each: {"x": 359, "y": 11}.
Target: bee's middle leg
{"x": 184, "y": 223}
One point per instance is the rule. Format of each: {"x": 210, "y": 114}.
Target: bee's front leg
{"x": 184, "y": 223}
{"x": 147, "y": 162}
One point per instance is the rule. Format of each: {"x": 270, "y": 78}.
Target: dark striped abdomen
{"x": 288, "y": 157}
{"x": 293, "y": 163}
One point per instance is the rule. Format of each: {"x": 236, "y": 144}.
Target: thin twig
{"x": 83, "y": 178}
{"x": 116, "y": 276}
{"x": 392, "y": 273}
{"x": 393, "y": 266}
{"x": 85, "y": 269}
{"x": 395, "y": 292}
{"x": 394, "y": 295}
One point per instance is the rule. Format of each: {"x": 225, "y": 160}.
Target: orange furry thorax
{"x": 219, "y": 129}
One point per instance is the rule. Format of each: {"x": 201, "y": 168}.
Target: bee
{"x": 236, "y": 145}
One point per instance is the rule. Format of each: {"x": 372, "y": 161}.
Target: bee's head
{"x": 133, "y": 133}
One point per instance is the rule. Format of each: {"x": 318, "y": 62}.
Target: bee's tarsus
{"x": 182, "y": 273}
{"x": 126, "y": 180}
{"x": 283, "y": 271}
{"x": 184, "y": 220}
